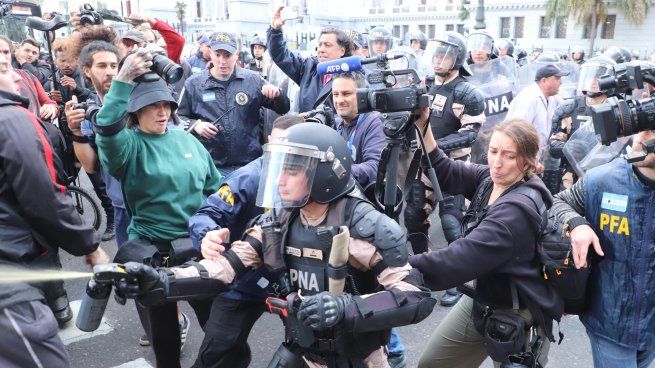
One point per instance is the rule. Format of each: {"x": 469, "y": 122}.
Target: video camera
{"x": 162, "y": 67}
{"x": 322, "y": 115}
{"x": 90, "y": 107}
{"x": 617, "y": 117}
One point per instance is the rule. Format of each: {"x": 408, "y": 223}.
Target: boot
{"x": 101, "y": 191}
{"x": 450, "y": 298}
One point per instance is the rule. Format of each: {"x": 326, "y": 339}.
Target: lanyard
{"x": 351, "y": 138}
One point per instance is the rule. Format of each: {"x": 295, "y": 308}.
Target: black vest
{"x": 580, "y": 110}
{"x": 442, "y": 119}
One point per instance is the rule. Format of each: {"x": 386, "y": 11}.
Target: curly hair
{"x": 90, "y": 34}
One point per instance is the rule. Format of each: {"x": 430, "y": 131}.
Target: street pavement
{"x": 115, "y": 344}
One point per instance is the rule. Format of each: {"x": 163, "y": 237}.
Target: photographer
{"x": 29, "y": 233}
{"x": 222, "y": 106}
{"x": 362, "y": 132}
{"x": 27, "y": 58}
{"x": 166, "y": 175}
{"x": 333, "y": 44}
{"x": 498, "y": 249}
{"x": 611, "y": 208}
{"x": 456, "y": 116}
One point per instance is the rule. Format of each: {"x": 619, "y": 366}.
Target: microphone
{"x": 343, "y": 65}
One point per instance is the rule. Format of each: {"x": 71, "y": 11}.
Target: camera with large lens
{"x": 322, "y": 115}
{"x": 628, "y": 76}
{"x": 89, "y": 106}
{"x": 162, "y": 67}
{"x": 88, "y": 16}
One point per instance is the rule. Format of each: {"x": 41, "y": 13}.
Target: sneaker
{"x": 110, "y": 233}
{"x": 184, "y": 330}
{"x": 450, "y": 298}
{"x": 397, "y": 361}
{"x": 144, "y": 340}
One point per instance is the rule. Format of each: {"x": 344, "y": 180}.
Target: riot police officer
{"x": 331, "y": 248}
{"x": 481, "y": 47}
{"x": 457, "y": 113}
{"x": 257, "y": 49}
{"x": 618, "y": 54}
{"x": 578, "y": 55}
{"x": 569, "y": 116}
{"x": 379, "y": 41}
{"x": 417, "y": 41}
{"x": 505, "y": 48}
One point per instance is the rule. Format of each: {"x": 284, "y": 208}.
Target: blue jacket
{"x": 621, "y": 210}
{"x": 232, "y": 106}
{"x": 197, "y": 63}
{"x": 233, "y": 207}
{"x": 365, "y": 140}
{"x": 301, "y": 70}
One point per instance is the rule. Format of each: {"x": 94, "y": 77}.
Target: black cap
{"x": 224, "y": 41}
{"x": 147, "y": 93}
{"x": 550, "y": 70}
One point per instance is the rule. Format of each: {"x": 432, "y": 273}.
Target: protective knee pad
{"x": 451, "y": 226}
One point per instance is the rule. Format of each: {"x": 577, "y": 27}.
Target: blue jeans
{"x": 609, "y": 354}
{"x": 121, "y": 222}
{"x": 395, "y": 346}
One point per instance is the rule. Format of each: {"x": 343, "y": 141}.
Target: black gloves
{"x": 150, "y": 286}
{"x": 323, "y": 310}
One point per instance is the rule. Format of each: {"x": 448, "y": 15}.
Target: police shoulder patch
{"x": 225, "y": 193}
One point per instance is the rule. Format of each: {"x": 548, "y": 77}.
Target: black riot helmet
{"x": 446, "y": 47}
{"x": 548, "y": 57}
{"x": 507, "y": 46}
{"x": 256, "y": 41}
{"x": 379, "y": 35}
{"x": 308, "y": 160}
{"x": 590, "y": 73}
{"x": 618, "y": 54}
{"x": 521, "y": 54}
{"x": 480, "y": 41}
{"x": 580, "y": 51}
{"x": 418, "y": 36}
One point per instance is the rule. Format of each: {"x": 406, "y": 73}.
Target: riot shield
{"x": 498, "y": 84}
{"x": 583, "y": 150}
{"x": 527, "y": 73}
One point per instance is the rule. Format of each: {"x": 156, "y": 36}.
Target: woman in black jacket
{"x": 498, "y": 249}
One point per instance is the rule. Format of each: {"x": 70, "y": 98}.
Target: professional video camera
{"x": 162, "y": 67}
{"x": 397, "y": 106}
{"x": 5, "y": 7}
{"x": 617, "y": 117}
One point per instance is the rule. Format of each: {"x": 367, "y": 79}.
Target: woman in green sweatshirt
{"x": 165, "y": 175}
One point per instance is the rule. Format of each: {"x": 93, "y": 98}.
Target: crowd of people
{"x": 223, "y": 188}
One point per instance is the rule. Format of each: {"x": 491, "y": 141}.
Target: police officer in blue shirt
{"x": 234, "y": 312}
{"x": 222, "y": 105}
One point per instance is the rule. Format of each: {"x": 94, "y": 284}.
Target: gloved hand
{"x": 323, "y": 310}
{"x": 149, "y": 287}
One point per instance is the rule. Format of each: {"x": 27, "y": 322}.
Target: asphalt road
{"x": 115, "y": 344}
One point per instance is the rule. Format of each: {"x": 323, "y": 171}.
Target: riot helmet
{"x": 448, "y": 52}
{"x": 579, "y": 58}
{"x": 618, "y": 54}
{"x": 379, "y": 41}
{"x": 521, "y": 55}
{"x": 591, "y": 71}
{"x": 505, "y": 47}
{"x": 416, "y": 36}
{"x": 308, "y": 160}
{"x": 257, "y": 41}
{"x": 548, "y": 57}
{"x": 480, "y": 46}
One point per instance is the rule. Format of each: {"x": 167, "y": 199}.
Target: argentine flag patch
{"x": 614, "y": 202}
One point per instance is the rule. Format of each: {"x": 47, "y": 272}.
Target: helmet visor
{"x": 444, "y": 57}
{"x": 379, "y": 45}
{"x": 479, "y": 42}
{"x": 590, "y": 72}
{"x": 287, "y": 175}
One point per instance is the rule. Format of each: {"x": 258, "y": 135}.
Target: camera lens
{"x": 166, "y": 68}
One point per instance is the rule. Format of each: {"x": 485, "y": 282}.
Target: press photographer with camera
{"x": 498, "y": 249}
{"x": 611, "y": 208}
{"x": 362, "y": 132}
{"x": 166, "y": 175}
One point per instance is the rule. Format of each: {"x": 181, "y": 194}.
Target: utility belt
{"x": 147, "y": 251}
{"x": 506, "y": 333}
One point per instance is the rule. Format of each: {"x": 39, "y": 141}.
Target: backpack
{"x": 556, "y": 257}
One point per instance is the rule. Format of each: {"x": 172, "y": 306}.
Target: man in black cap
{"x": 130, "y": 39}
{"x": 222, "y": 105}
{"x": 537, "y": 102}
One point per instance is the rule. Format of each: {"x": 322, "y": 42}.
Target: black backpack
{"x": 556, "y": 256}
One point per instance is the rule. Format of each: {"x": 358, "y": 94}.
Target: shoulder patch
{"x": 225, "y": 193}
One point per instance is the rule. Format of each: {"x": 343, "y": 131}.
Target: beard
{"x": 98, "y": 85}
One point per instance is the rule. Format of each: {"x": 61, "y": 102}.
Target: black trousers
{"x": 163, "y": 329}
{"x": 226, "y": 333}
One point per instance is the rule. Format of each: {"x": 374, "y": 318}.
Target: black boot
{"x": 57, "y": 298}
{"x": 101, "y": 191}
{"x": 450, "y": 298}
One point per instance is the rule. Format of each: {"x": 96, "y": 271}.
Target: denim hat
{"x": 225, "y": 41}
